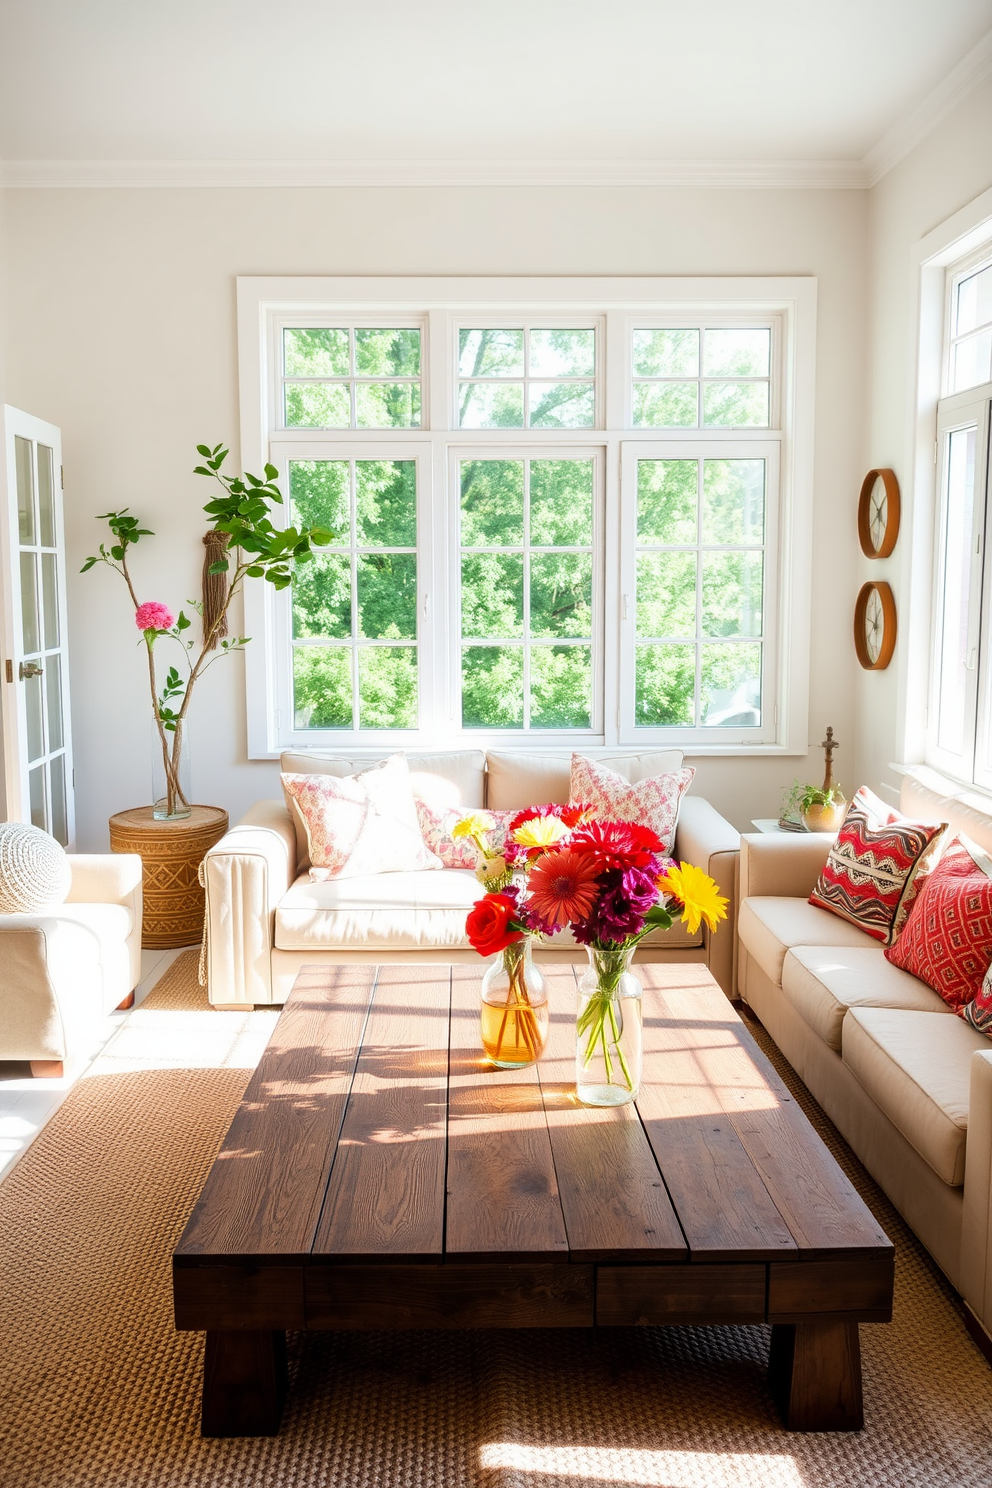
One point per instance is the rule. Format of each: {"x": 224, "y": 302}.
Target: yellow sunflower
{"x": 476, "y": 824}
{"x": 697, "y": 893}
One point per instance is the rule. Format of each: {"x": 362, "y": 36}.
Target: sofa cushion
{"x": 384, "y": 911}
{"x": 768, "y": 927}
{"x": 876, "y": 865}
{"x": 394, "y": 911}
{"x": 916, "y": 1067}
{"x": 517, "y": 780}
{"x": 822, "y": 982}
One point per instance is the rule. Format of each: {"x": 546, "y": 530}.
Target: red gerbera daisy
{"x": 562, "y": 886}
{"x": 618, "y": 844}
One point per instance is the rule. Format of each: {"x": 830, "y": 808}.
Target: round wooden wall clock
{"x": 875, "y": 626}
{"x": 878, "y": 513}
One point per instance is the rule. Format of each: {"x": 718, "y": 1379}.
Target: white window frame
{"x": 615, "y": 306}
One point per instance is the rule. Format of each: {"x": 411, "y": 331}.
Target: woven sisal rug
{"x": 97, "y": 1389}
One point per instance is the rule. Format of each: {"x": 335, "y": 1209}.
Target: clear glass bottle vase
{"x": 172, "y": 795}
{"x": 514, "y": 1008}
{"x": 608, "y": 1045}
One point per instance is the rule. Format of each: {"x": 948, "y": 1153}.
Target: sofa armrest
{"x": 51, "y": 987}
{"x": 783, "y": 865}
{"x": 976, "y": 1225}
{"x": 111, "y": 878}
{"x": 705, "y": 838}
{"x": 245, "y": 875}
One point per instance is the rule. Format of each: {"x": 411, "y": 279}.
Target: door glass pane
{"x": 25, "y": 490}
{"x": 46, "y": 496}
{"x": 36, "y": 796}
{"x": 50, "y": 599}
{"x": 35, "y": 720}
{"x": 60, "y": 820}
{"x": 53, "y": 698}
{"x": 954, "y": 597}
{"x": 30, "y": 631}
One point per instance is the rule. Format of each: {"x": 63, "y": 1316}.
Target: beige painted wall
{"x": 947, "y": 170}
{"x": 121, "y": 319}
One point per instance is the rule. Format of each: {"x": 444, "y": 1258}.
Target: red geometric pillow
{"x": 876, "y": 866}
{"x": 947, "y": 941}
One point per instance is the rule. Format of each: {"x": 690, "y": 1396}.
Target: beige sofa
{"x": 907, "y": 1082}
{"x": 65, "y": 968}
{"x": 265, "y": 919}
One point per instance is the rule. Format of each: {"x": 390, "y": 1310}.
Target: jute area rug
{"x": 97, "y": 1389}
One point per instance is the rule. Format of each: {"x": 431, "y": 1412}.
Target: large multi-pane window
{"x": 512, "y": 558}
{"x": 959, "y": 735}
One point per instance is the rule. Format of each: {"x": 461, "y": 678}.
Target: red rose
{"x": 488, "y": 924}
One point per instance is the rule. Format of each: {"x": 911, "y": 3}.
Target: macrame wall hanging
{"x": 214, "y": 585}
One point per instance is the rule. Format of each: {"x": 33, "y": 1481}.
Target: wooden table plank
{"x": 643, "y": 1296}
{"x": 724, "y": 1208}
{"x": 614, "y": 1200}
{"x": 503, "y": 1201}
{"x": 491, "y": 1295}
{"x": 263, "y": 1195}
{"x": 385, "y": 1198}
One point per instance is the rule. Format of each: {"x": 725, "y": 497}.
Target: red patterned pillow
{"x": 978, "y": 1012}
{"x": 876, "y": 866}
{"x": 947, "y": 941}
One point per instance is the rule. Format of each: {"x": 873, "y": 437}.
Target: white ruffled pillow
{"x": 361, "y": 824}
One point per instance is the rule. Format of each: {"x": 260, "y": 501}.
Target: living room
{"x": 206, "y": 240}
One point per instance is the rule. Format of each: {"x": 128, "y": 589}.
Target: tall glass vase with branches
{"x": 253, "y": 548}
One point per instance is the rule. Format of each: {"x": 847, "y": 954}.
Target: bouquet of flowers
{"x": 611, "y": 882}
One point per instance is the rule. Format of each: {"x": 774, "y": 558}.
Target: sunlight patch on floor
{"x": 652, "y": 1469}
{"x": 172, "y": 1039}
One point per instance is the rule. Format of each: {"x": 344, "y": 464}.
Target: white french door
{"x": 37, "y": 747}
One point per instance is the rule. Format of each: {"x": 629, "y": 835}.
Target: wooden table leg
{"x": 814, "y": 1371}
{"x": 244, "y": 1383}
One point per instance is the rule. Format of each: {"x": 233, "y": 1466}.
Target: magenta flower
{"x": 154, "y": 616}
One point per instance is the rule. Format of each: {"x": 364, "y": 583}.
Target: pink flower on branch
{"x": 154, "y": 616}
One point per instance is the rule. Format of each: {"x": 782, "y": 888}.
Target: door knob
{"x": 29, "y": 669}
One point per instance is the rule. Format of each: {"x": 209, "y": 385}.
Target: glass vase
{"x": 172, "y": 795}
{"x": 514, "y": 1008}
{"x": 608, "y": 1029}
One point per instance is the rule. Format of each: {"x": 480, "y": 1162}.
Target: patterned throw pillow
{"x": 876, "y": 866}
{"x": 947, "y": 941}
{"x": 437, "y": 823}
{"x": 653, "y": 802}
{"x": 978, "y": 1012}
{"x": 360, "y": 824}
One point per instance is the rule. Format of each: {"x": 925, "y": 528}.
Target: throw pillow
{"x": 877, "y": 866}
{"x": 34, "y": 870}
{"x": 978, "y": 1012}
{"x": 947, "y": 941}
{"x": 361, "y": 824}
{"x": 437, "y": 822}
{"x": 653, "y": 802}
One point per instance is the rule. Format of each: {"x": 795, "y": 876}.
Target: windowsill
{"x": 964, "y": 791}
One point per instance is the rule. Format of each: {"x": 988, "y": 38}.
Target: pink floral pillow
{"x": 437, "y": 823}
{"x": 653, "y": 802}
{"x": 361, "y": 824}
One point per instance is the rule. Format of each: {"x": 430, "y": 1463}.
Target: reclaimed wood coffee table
{"x": 379, "y": 1174}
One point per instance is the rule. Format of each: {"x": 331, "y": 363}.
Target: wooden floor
{"x": 380, "y": 1174}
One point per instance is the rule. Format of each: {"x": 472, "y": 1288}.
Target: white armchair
{"x": 66, "y": 968}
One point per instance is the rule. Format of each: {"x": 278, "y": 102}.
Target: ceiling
{"x": 468, "y": 83}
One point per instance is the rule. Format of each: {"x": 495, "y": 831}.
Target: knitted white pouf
{"x": 34, "y": 870}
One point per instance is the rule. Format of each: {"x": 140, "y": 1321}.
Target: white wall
{"x": 947, "y": 170}
{"x": 121, "y": 319}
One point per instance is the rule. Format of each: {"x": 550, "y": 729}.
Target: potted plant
{"x": 819, "y": 809}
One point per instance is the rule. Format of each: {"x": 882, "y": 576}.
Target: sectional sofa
{"x": 265, "y": 919}
{"x": 907, "y": 1082}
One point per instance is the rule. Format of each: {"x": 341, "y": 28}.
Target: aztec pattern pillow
{"x": 361, "y": 824}
{"x": 947, "y": 941}
{"x": 437, "y": 822}
{"x": 876, "y": 866}
{"x": 653, "y": 802}
{"x": 978, "y": 1012}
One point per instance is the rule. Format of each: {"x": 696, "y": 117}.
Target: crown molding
{"x": 778, "y": 175}
{"x": 914, "y": 126}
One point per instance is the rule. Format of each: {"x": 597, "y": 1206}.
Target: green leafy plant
{"x": 801, "y": 797}
{"x": 255, "y": 548}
